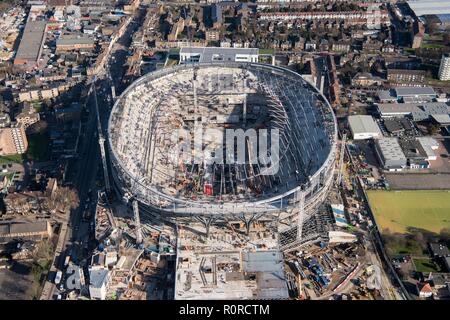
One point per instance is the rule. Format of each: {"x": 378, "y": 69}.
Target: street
{"x": 79, "y": 237}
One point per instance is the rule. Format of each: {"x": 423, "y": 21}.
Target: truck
{"x": 58, "y": 277}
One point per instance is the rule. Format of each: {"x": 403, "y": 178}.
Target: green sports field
{"x": 398, "y": 210}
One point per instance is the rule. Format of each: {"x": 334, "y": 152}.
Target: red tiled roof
{"x": 425, "y": 287}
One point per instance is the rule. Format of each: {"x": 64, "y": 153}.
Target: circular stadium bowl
{"x": 145, "y": 143}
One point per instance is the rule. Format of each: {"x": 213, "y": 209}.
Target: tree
{"x": 444, "y": 235}
{"x": 38, "y": 127}
{"x": 63, "y": 199}
{"x": 433, "y": 129}
{"x": 446, "y": 38}
{"x": 44, "y": 251}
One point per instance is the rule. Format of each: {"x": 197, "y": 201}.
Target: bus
{"x": 58, "y": 277}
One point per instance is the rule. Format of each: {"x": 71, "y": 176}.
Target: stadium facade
{"x": 145, "y": 161}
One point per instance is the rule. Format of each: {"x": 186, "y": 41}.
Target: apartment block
{"x": 406, "y": 76}
{"x": 444, "y": 68}
{"x": 13, "y": 140}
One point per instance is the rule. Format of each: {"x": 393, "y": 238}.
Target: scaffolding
{"x": 145, "y": 154}
{"x": 137, "y": 221}
{"x": 341, "y": 160}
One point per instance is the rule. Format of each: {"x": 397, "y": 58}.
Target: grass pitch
{"x": 399, "y": 210}
{"x": 426, "y": 265}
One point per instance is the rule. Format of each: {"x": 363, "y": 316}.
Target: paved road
{"x": 78, "y": 232}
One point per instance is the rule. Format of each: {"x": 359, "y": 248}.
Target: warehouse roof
{"x": 386, "y": 95}
{"x": 393, "y": 126}
{"x": 432, "y": 143}
{"x": 419, "y": 111}
{"x": 428, "y": 144}
{"x": 363, "y": 124}
{"x": 32, "y": 38}
{"x": 414, "y": 91}
{"x": 443, "y": 119}
{"x": 73, "y": 41}
{"x": 439, "y": 249}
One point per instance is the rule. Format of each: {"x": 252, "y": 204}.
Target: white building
{"x": 111, "y": 258}
{"x": 390, "y": 154}
{"x": 429, "y": 145}
{"x": 363, "y": 127}
{"x": 341, "y": 237}
{"x": 216, "y": 54}
{"x": 444, "y": 68}
{"x": 99, "y": 283}
{"x": 339, "y": 215}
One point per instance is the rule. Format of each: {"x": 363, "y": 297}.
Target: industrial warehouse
{"x": 30, "y": 47}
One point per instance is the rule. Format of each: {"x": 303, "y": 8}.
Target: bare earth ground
{"x": 418, "y": 181}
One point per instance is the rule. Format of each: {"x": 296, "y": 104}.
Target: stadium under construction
{"x": 145, "y": 161}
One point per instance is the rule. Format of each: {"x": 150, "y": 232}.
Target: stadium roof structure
{"x": 221, "y": 95}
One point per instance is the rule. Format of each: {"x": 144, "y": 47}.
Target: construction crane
{"x": 137, "y": 220}
{"x": 341, "y": 160}
{"x": 194, "y": 89}
{"x": 300, "y": 287}
{"x": 301, "y": 213}
{"x": 101, "y": 141}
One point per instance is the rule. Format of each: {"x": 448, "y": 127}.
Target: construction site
{"x": 242, "y": 229}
